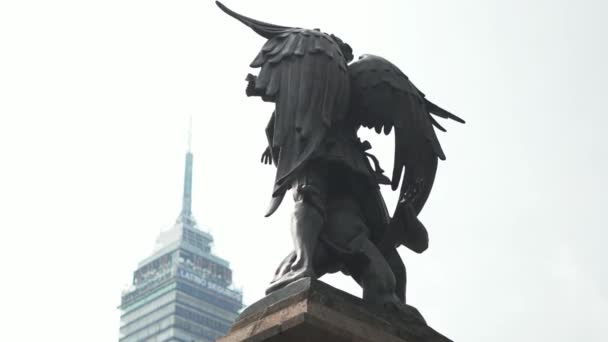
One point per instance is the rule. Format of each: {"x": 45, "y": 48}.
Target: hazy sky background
{"x": 94, "y": 104}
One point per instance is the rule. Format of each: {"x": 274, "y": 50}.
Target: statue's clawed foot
{"x": 290, "y": 277}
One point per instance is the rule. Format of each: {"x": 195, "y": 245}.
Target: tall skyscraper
{"x": 182, "y": 292}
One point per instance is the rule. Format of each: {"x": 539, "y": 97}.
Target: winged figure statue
{"x": 340, "y": 220}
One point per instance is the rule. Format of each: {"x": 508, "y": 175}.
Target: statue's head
{"x": 347, "y": 51}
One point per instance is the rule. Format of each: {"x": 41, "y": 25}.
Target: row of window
{"x": 196, "y": 330}
{"x": 202, "y": 264}
{"x": 152, "y": 305}
{"x": 197, "y": 240}
{"x": 142, "y": 321}
{"x": 201, "y": 319}
{"x": 176, "y": 331}
{"x": 157, "y": 330}
{"x": 207, "y": 309}
{"x": 202, "y": 295}
{"x": 149, "y": 322}
{"x": 160, "y": 263}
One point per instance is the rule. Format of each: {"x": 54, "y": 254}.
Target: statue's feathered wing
{"x": 383, "y": 98}
{"x": 305, "y": 74}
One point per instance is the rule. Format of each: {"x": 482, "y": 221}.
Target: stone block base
{"x": 310, "y": 310}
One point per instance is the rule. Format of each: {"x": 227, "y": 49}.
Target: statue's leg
{"x": 310, "y": 195}
{"x": 348, "y": 234}
{"x": 396, "y": 264}
{"x": 306, "y": 225}
{"x": 375, "y": 276}
{"x": 322, "y": 263}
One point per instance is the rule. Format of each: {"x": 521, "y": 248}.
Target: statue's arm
{"x": 269, "y": 155}
{"x": 270, "y": 129}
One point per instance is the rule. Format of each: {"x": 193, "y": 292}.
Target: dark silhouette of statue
{"x": 340, "y": 221}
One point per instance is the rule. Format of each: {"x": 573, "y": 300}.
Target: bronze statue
{"x": 340, "y": 221}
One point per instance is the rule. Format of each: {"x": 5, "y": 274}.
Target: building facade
{"x": 182, "y": 292}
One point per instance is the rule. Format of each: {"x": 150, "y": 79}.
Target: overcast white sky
{"x": 94, "y": 103}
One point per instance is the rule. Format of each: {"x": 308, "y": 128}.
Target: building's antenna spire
{"x": 186, "y": 214}
{"x": 190, "y": 135}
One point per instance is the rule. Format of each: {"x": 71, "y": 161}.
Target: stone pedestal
{"x": 310, "y": 310}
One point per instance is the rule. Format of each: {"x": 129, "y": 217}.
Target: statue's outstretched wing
{"x": 304, "y": 72}
{"x": 382, "y": 97}
{"x": 265, "y": 30}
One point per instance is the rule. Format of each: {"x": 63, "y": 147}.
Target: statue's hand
{"x": 250, "y": 90}
{"x": 266, "y": 156}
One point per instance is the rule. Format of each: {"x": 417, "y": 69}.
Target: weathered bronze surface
{"x": 322, "y": 98}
